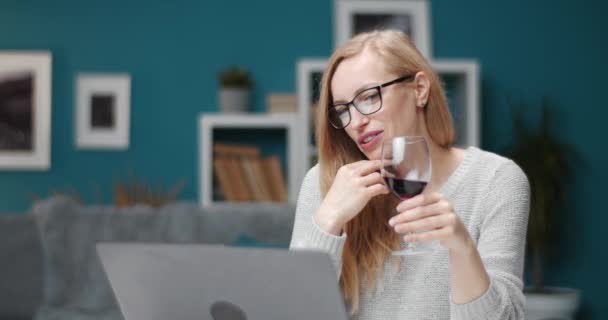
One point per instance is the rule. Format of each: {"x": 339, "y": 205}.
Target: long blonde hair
{"x": 370, "y": 239}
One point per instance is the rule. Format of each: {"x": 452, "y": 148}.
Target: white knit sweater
{"x": 491, "y": 196}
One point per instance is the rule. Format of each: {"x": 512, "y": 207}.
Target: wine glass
{"x": 406, "y": 170}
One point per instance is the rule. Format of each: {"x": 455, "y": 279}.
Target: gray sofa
{"x": 49, "y": 268}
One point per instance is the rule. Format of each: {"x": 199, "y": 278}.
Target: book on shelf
{"x": 221, "y": 171}
{"x": 274, "y": 175}
{"x": 256, "y": 180}
{"x": 244, "y": 176}
{"x": 237, "y": 150}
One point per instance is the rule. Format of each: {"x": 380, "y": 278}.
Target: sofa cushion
{"x": 21, "y": 267}
{"x": 74, "y": 278}
{"x": 75, "y": 285}
{"x": 263, "y": 222}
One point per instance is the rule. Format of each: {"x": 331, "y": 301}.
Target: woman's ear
{"x": 423, "y": 88}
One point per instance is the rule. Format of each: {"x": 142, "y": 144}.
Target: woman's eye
{"x": 341, "y": 109}
{"x": 372, "y": 97}
{"x": 369, "y": 98}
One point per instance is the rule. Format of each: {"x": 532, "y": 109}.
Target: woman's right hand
{"x": 355, "y": 184}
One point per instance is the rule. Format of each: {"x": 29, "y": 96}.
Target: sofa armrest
{"x": 21, "y": 270}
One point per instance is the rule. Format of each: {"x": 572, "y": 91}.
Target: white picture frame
{"x": 103, "y": 111}
{"x": 25, "y": 110}
{"x": 409, "y": 16}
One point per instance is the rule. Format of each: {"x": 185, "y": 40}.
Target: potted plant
{"x": 235, "y": 85}
{"x": 548, "y": 164}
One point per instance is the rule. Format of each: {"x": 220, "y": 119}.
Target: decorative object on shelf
{"x": 281, "y": 103}
{"x": 25, "y": 110}
{"x": 549, "y": 166}
{"x": 411, "y": 17}
{"x": 461, "y": 82}
{"x": 103, "y": 108}
{"x": 235, "y": 87}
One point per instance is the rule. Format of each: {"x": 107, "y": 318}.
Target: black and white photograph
{"x": 102, "y": 111}
{"x": 16, "y": 91}
{"x": 363, "y": 22}
{"x": 410, "y": 17}
{"x": 25, "y": 110}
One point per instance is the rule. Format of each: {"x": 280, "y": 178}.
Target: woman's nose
{"x": 357, "y": 119}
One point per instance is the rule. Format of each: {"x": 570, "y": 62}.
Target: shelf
{"x": 463, "y": 95}
{"x": 210, "y": 121}
{"x": 248, "y": 120}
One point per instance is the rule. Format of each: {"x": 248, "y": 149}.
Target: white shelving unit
{"x": 299, "y": 147}
{"x": 210, "y": 121}
{"x": 466, "y": 96}
{"x": 306, "y": 68}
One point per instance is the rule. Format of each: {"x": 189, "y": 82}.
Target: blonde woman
{"x": 476, "y": 204}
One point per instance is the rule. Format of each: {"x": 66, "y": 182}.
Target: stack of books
{"x": 244, "y": 176}
{"x": 281, "y": 103}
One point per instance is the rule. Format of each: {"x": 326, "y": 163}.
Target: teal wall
{"x": 173, "y": 50}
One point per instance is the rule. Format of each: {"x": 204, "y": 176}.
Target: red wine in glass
{"x": 405, "y": 189}
{"x": 406, "y": 170}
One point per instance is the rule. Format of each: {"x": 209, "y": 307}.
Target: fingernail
{"x": 391, "y": 222}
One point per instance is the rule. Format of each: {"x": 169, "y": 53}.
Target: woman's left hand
{"x": 428, "y": 217}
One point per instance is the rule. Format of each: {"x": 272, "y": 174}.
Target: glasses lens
{"x": 339, "y": 116}
{"x": 368, "y": 101}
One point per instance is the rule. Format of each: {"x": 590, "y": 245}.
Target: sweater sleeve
{"x": 501, "y": 246}
{"x": 307, "y": 235}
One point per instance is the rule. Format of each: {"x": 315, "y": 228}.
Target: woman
{"x": 476, "y": 204}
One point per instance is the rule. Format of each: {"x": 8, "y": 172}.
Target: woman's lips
{"x": 370, "y": 145}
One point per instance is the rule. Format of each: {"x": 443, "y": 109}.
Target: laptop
{"x": 213, "y": 282}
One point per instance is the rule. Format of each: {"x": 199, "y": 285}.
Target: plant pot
{"x": 234, "y": 100}
{"x": 553, "y": 303}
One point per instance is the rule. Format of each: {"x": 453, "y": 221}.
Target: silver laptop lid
{"x": 208, "y": 282}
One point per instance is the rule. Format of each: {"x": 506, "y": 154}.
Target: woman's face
{"x": 398, "y": 113}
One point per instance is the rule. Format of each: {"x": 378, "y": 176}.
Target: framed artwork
{"x": 462, "y": 86}
{"x": 25, "y": 110}
{"x": 410, "y": 16}
{"x": 103, "y": 110}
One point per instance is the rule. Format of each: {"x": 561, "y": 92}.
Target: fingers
{"x": 376, "y": 189}
{"x": 427, "y": 224}
{"x": 419, "y": 200}
{"x": 435, "y": 208}
{"x": 429, "y": 235}
{"x": 365, "y": 167}
{"x": 372, "y": 178}
{"x": 364, "y": 176}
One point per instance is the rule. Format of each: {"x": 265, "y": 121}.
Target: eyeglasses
{"x": 366, "y": 102}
